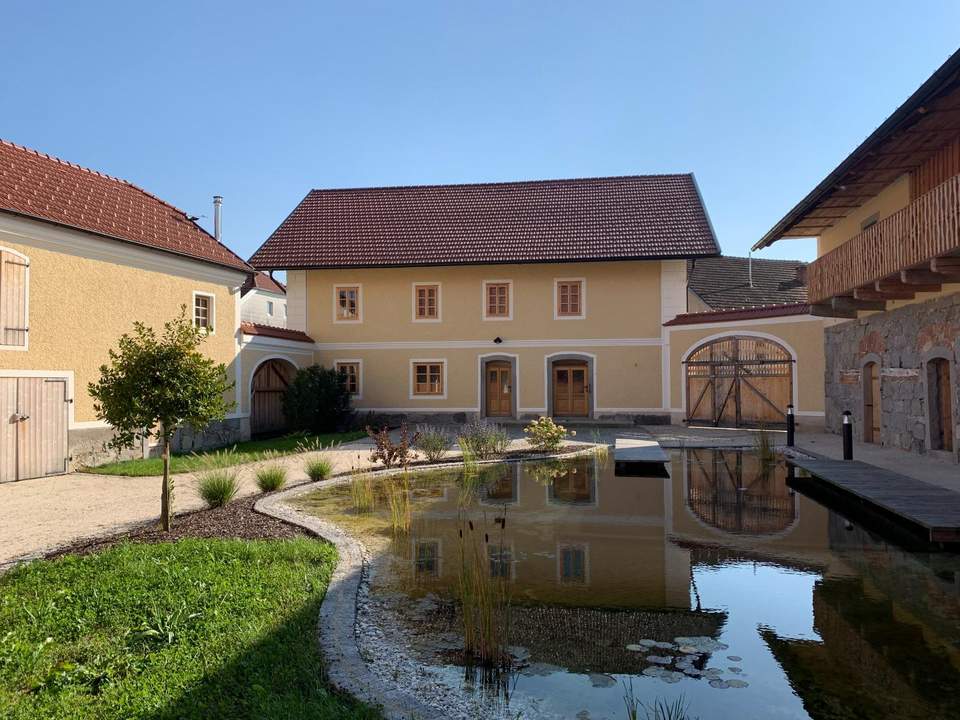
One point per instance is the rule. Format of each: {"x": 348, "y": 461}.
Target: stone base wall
{"x": 89, "y": 446}
{"x": 901, "y": 342}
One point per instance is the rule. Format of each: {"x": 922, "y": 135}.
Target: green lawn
{"x": 249, "y": 451}
{"x": 192, "y": 629}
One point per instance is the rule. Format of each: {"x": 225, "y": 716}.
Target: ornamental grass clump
{"x": 271, "y": 477}
{"x": 217, "y": 487}
{"x": 318, "y": 468}
{"x": 434, "y": 441}
{"x": 361, "y": 491}
{"x": 544, "y": 435}
{"x": 764, "y": 447}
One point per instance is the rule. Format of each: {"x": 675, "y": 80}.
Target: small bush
{"x": 317, "y": 401}
{"x": 389, "y": 452}
{"x": 483, "y": 439}
{"x": 271, "y": 477}
{"x": 318, "y": 468}
{"x": 218, "y": 487}
{"x": 545, "y": 435}
{"x": 434, "y": 441}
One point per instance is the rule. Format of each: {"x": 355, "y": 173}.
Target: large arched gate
{"x": 270, "y": 381}
{"x": 739, "y": 380}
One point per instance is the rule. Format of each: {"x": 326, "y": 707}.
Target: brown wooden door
{"x": 270, "y": 382}
{"x": 570, "y": 390}
{"x": 499, "y": 389}
{"x": 941, "y": 409}
{"x": 33, "y": 427}
{"x": 870, "y": 379}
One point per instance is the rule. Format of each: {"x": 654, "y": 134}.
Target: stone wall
{"x": 902, "y": 342}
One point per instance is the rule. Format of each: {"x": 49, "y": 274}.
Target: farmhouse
{"x": 888, "y": 240}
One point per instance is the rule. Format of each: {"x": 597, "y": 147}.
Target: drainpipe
{"x": 217, "y": 205}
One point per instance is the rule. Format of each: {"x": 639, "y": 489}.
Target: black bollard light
{"x": 847, "y": 436}
{"x": 791, "y": 425}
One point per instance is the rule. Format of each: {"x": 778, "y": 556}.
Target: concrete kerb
{"x": 336, "y": 627}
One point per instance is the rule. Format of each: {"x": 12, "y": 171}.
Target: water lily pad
{"x": 653, "y": 671}
{"x": 664, "y": 645}
{"x": 719, "y": 684}
{"x": 734, "y": 658}
{"x": 660, "y": 659}
{"x": 693, "y": 672}
{"x": 736, "y": 670}
{"x": 599, "y": 680}
{"x": 671, "y": 677}
{"x": 713, "y": 672}
{"x": 637, "y": 648}
{"x": 647, "y": 642}
{"x": 737, "y": 683}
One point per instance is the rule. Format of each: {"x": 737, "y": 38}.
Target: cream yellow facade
{"x": 618, "y": 334}
{"x": 84, "y": 292}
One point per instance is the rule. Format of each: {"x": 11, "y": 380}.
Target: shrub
{"x": 317, "y": 400}
{"x": 318, "y": 468}
{"x": 271, "y": 477}
{"x": 388, "y": 452}
{"x": 218, "y": 487}
{"x": 434, "y": 441}
{"x": 483, "y": 439}
{"x": 545, "y": 435}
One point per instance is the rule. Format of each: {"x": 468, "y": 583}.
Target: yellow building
{"x": 504, "y": 300}
{"x": 885, "y": 220}
{"x": 83, "y": 256}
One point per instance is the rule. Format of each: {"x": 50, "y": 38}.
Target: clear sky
{"x": 261, "y": 101}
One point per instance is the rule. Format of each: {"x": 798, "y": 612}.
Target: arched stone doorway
{"x": 270, "y": 381}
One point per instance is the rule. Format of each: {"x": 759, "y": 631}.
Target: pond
{"x": 719, "y": 585}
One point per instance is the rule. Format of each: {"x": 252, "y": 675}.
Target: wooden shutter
{"x": 13, "y": 299}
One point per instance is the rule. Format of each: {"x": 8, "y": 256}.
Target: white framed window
{"x": 284, "y": 310}
{"x": 204, "y": 312}
{"x": 347, "y": 303}
{"x": 426, "y": 302}
{"x": 573, "y": 564}
{"x": 497, "y": 299}
{"x": 353, "y": 372}
{"x": 569, "y": 298}
{"x": 270, "y": 308}
{"x": 14, "y": 300}
{"x": 428, "y": 379}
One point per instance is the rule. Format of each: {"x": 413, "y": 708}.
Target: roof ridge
{"x": 742, "y": 257}
{"x": 543, "y": 181}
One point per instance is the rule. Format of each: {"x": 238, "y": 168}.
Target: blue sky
{"x": 262, "y": 101}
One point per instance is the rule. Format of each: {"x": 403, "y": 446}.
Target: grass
{"x": 272, "y": 477}
{"x": 361, "y": 491}
{"x": 318, "y": 468}
{"x": 245, "y": 452}
{"x": 192, "y": 629}
{"x": 218, "y": 487}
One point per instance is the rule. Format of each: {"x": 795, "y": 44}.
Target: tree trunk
{"x": 166, "y": 491}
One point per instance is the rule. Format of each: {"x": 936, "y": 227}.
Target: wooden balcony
{"x": 914, "y": 250}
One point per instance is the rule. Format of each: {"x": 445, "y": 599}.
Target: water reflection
{"x": 808, "y": 615}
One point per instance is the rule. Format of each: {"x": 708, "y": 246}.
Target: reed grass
{"x": 397, "y": 490}
{"x": 764, "y": 447}
{"x": 362, "y": 492}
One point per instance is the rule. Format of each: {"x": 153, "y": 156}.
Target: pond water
{"x": 719, "y": 585}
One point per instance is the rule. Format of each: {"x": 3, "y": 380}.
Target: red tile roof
{"x": 617, "y": 218}
{"x": 42, "y": 187}
{"x": 250, "y": 328}
{"x": 752, "y": 313}
{"x": 262, "y": 281}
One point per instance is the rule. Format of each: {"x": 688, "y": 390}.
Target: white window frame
{"x": 359, "y": 363}
{"x": 413, "y": 295}
{"x": 26, "y": 307}
{"x": 413, "y": 379}
{"x": 269, "y": 308}
{"x": 483, "y": 295}
{"x": 359, "y": 319}
{"x": 583, "y": 298}
{"x": 211, "y": 328}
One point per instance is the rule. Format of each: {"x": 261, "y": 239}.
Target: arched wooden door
{"x": 270, "y": 381}
{"x": 739, "y": 380}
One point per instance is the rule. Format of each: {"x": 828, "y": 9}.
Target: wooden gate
{"x": 270, "y": 381}
{"x": 33, "y": 427}
{"x": 739, "y": 381}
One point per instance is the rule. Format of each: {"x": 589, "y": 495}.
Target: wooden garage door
{"x": 739, "y": 380}
{"x": 33, "y": 427}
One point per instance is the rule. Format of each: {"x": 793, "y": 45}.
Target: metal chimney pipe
{"x": 749, "y": 266}
{"x": 217, "y": 205}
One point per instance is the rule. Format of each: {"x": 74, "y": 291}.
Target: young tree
{"x": 155, "y": 385}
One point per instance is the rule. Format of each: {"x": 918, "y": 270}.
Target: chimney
{"x": 749, "y": 255}
{"x": 217, "y": 204}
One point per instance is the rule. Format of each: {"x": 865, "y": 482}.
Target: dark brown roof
{"x": 250, "y": 328}
{"x": 618, "y": 218}
{"x": 724, "y": 282}
{"x": 41, "y": 187}
{"x": 262, "y": 281}
{"x": 915, "y": 130}
{"x": 769, "y": 311}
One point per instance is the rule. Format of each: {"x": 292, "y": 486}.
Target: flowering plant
{"x": 545, "y": 435}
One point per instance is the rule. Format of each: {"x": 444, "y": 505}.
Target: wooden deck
{"x": 933, "y": 510}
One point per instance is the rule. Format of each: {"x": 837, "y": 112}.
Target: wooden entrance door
{"x": 940, "y": 407}
{"x": 270, "y": 382}
{"x": 739, "y": 380}
{"x": 499, "y": 389}
{"x": 571, "y": 391}
{"x": 33, "y": 427}
{"x": 870, "y": 379}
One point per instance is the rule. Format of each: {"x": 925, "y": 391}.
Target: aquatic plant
{"x": 392, "y": 453}
{"x": 397, "y": 490}
{"x": 658, "y": 710}
{"x": 544, "y": 435}
{"x": 361, "y": 491}
{"x": 434, "y": 441}
{"x": 764, "y": 447}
